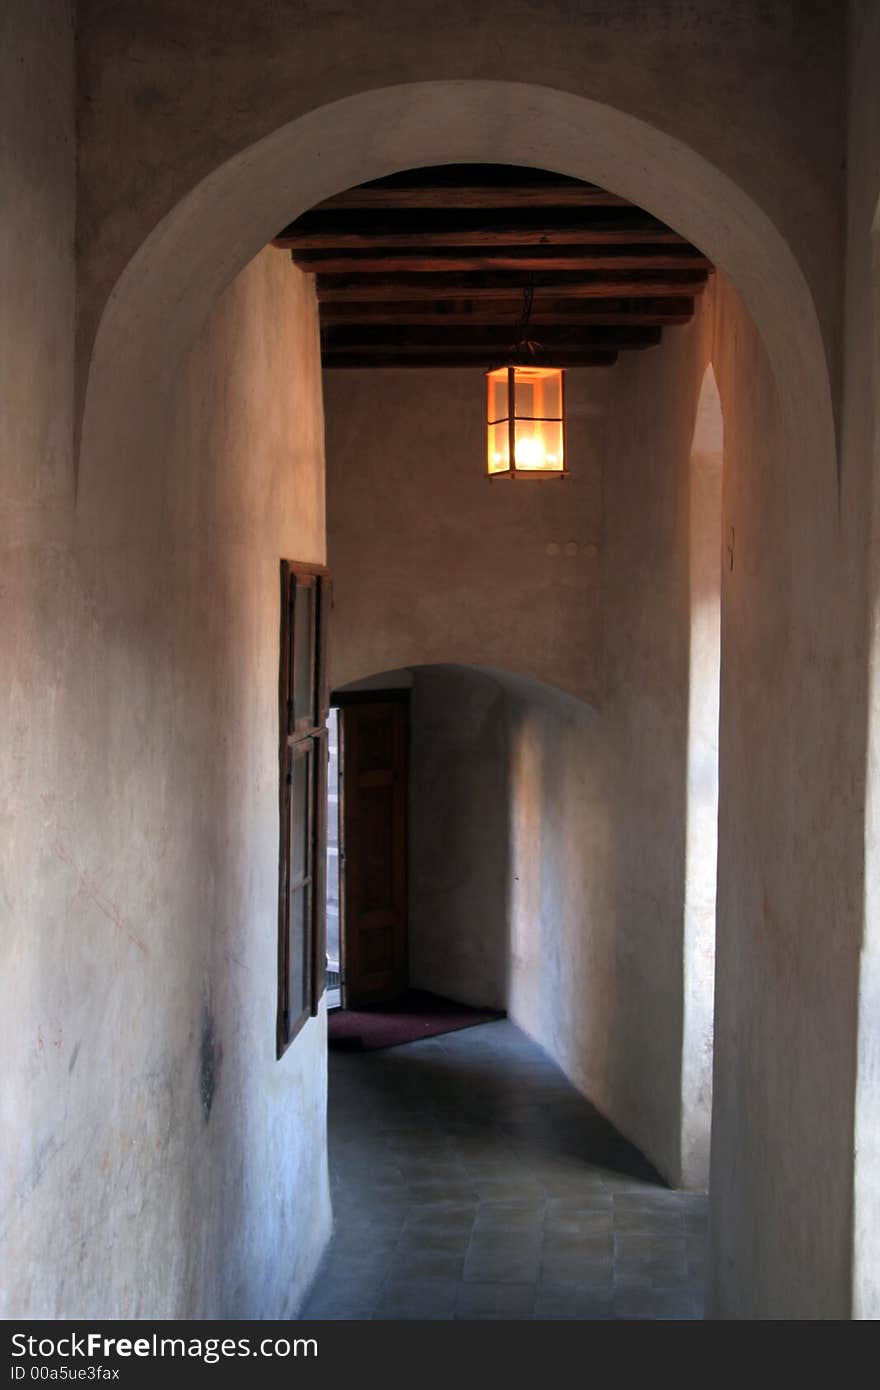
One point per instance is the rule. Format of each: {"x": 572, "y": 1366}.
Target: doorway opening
{"x": 371, "y": 815}
{"x": 579, "y": 136}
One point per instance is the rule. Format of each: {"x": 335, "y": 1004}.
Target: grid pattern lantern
{"x": 525, "y": 422}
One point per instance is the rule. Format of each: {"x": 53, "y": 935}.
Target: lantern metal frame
{"x": 511, "y": 471}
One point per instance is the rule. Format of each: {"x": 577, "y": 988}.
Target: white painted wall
{"x": 701, "y": 809}
{"x": 434, "y": 562}
{"x": 158, "y": 1161}
{"x": 460, "y": 875}
{"x": 861, "y": 479}
{"x": 37, "y": 291}
{"x": 788, "y": 856}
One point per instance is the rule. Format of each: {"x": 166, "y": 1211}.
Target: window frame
{"x": 302, "y": 733}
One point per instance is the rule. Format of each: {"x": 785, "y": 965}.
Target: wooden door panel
{"x": 302, "y": 718}
{"x": 374, "y": 835}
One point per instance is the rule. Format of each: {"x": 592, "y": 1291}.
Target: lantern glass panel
{"x": 538, "y": 446}
{"x": 538, "y": 393}
{"x": 497, "y": 403}
{"x": 499, "y": 447}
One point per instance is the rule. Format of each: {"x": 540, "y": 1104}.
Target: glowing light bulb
{"x": 529, "y": 453}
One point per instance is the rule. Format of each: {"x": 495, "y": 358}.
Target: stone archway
{"x": 170, "y": 285}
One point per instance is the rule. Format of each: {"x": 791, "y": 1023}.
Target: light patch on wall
{"x": 706, "y": 460}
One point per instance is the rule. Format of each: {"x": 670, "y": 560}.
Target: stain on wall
{"x": 211, "y": 1056}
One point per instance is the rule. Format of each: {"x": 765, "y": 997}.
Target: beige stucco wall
{"x": 460, "y": 844}
{"x": 158, "y": 1161}
{"x": 705, "y": 559}
{"x": 37, "y": 290}
{"x": 788, "y": 857}
{"x": 861, "y": 495}
{"x": 433, "y": 561}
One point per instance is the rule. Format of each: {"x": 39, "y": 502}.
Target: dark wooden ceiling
{"x": 431, "y": 268}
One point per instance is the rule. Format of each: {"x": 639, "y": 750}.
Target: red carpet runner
{"x": 417, "y": 1015}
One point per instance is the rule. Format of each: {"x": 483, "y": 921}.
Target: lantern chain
{"x": 525, "y": 347}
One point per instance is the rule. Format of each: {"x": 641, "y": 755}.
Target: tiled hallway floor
{"x": 470, "y": 1180}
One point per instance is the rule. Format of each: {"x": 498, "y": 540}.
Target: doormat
{"x": 416, "y": 1015}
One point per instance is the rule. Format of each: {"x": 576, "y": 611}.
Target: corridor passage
{"x": 470, "y": 1180}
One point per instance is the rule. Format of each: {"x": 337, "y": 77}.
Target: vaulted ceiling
{"x": 435, "y": 267}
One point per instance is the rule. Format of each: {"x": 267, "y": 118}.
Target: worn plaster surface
{"x": 434, "y": 562}
{"x": 860, "y": 482}
{"x": 158, "y": 1162}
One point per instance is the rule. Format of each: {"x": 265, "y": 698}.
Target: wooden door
{"x": 373, "y": 736}
{"x": 302, "y": 710}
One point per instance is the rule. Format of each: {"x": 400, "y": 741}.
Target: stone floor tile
{"x": 502, "y": 1262}
{"x": 557, "y": 1269}
{"x": 419, "y": 1265}
{"x": 406, "y": 1300}
{"x": 506, "y": 1218}
{"x": 512, "y": 1199}
{"x": 495, "y": 1300}
{"x": 573, "y": 1301}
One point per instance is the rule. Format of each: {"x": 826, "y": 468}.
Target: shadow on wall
{"x": 462, "y": 875}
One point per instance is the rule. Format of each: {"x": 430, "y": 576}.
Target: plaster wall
{"x": 460, "y": 866}
{"x": 701, "y": 802}
{"x": 170, "y": 89}
{"x": 432, "y": 561}
{"x": 788, "y": 861}
{"x": 598, "y": 796}
{"x": 37, "y": 290}
{"x": 158, "y": 1161}
{"x": 861, "y": 501}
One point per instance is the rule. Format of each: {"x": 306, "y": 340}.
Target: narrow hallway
{"x": 471, "y": 1180}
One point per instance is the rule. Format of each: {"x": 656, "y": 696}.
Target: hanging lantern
{"x": 525, "y": 422}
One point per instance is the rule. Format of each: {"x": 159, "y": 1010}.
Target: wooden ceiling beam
{"x": 350, "y": 288}
{"x": 531, "y": 258}
{"x": 673, "y": 310}
{"x": 476, "y": 196}
{"x": 428, "y": 268}
{"x": 635, "y": 228}
{"x": 390, "y": 337}
{"x": 481, "y": 360}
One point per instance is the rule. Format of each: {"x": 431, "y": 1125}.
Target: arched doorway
{"x": 171, "y": 283}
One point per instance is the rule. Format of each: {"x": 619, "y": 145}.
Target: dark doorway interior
{"x": 372, "y": 845}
